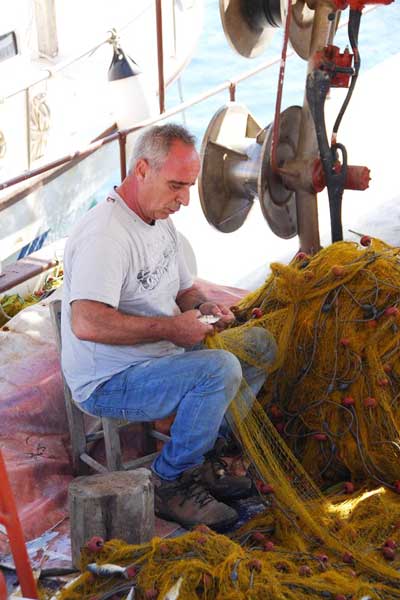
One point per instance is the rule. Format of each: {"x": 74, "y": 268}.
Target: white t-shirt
{"x": 114, "y": 257}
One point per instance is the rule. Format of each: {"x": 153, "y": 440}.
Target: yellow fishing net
{"x": 323, "y": 439}
{"x": 12, "y": 304}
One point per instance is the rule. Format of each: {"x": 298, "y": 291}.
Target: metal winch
{"x": 236, "y": 170}
{"x": 285, "y": 164}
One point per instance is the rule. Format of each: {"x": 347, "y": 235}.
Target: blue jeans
{"x": 197, "y": 386}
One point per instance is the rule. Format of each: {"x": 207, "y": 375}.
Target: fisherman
{"x": 132, "y": 333}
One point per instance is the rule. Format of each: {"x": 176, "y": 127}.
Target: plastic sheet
{"x": 34, "y": 433}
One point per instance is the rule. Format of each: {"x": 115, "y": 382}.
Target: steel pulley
{"x": 236, "y": 169}
{"x": 300, "y": 28}
{"x": 249, "y": 25}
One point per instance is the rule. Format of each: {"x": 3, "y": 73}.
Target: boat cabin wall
{"x": 18, "y": 51}
{"x": 18, "y": 18}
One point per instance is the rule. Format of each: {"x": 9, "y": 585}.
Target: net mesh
{"x": 322, "y": 438}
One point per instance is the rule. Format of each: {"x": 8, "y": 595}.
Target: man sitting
{"x": 131, "y": 319}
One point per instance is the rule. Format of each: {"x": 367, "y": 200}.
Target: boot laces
{"x": 218, "y": 465}
{"x": 192, "y": 488}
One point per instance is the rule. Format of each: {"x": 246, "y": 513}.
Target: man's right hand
{"x": 187, "y": 330}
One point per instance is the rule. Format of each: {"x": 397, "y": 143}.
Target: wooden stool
{"x": 105, "y": 428}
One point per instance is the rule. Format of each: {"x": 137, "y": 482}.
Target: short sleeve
{"x": 98, "y": 270}
{"x": 185, "y": 277}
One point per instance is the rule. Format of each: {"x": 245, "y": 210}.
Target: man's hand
{"x": 188, "y": 330}
{"x": 96, "y": 322}
{"x": 219, "y": 310}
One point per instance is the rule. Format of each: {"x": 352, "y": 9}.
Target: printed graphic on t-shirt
{"x": 150, "y": 278}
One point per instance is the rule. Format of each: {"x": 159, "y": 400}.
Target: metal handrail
{"x": 51, "y": 71}
{"x": 122, "y": 137}
{"x": 151, "y": 121}
{"x": 122, "y": 134}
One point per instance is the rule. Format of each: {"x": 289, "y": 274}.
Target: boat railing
{"x": 122, "y": 134}
{"x": 51, "y": 71}
{"x": 33, "y": 266}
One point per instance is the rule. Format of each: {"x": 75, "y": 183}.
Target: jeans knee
{"x": 260, "y": 344}
{"x": 229, "y": 370}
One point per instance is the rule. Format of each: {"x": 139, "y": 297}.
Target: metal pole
{"x": 9, "y": 517}
{"x": 307, "y": 211}
{"x": 28, "y": 127}
{"x": 3, "y": 588}
{"x": 122, "y": 155}
{"x": 160, "y": 56}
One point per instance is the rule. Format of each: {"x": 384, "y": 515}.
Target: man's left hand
{"x": 219, "y": 310}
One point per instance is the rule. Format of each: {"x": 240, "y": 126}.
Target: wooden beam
{"x": 46, "y": 26}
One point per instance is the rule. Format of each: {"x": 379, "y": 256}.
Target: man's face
{"x": 163, "y": 191}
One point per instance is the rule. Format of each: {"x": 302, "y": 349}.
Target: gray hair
{"x": 154, "y": 144}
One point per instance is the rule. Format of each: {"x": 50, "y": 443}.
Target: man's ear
{"x": 141, "y": 169}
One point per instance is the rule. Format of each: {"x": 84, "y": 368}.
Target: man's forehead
{"x": 181, "y": 166}
{"x": 182, "y": 152}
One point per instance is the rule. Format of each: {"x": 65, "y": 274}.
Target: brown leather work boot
{"x": 227, "y": 448}
{"x": 220, "y": 483}
{"x": 188, "y": 502}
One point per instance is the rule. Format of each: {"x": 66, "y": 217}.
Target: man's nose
{"x": 184, "y": 197}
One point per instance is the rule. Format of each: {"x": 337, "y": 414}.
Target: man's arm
{"x": 97, "y": 322}
{"x": 190, "y": 298}
{"x": 194, "y": 297}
